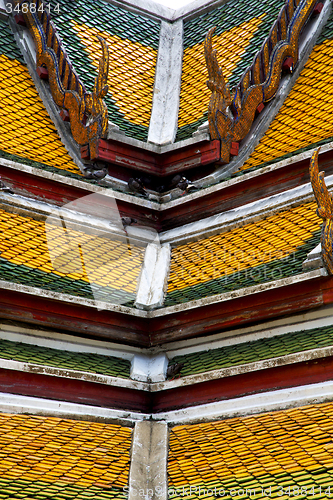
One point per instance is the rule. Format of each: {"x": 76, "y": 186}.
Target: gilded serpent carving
{"x": 88, "y": 113}
{"x": 325, "y": 210}
{"x": 231, "y": 114}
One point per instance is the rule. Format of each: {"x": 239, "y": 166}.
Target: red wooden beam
{"x": 242, "y": 311}
{"x": 145, "y": 332}
{"x": 281, "y": 377}
{"x": 73, "y": 391}
{"x": 62, "y": 316}
{"x": 107, "y": 396}
{"x": 160, "y": 165}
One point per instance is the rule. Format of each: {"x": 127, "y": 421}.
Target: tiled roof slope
{"x": 110, "y": 271}
{"x": 81, "y": 361}
{"x": 277, "y": 450}
{"x": 46, "y": 458}
{"x": 25, "y": 126}
{"x": 306, "y": 117}
{"x": 240, "y": 33}
{"x": 133, "y": 42}
{"x": 262, "y": 251}
{"x": 257, "y": 350}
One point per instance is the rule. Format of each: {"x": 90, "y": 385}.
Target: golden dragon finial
{"x": 88, "y": 114}
{"x": 325, "y": 210}
{"x": 231, "y": 115}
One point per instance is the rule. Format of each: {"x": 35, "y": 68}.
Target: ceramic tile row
{"x": 133, "y": 43}
{"x": 256, "y": 350}
{"x": 44, "y": 457}
{"x": 79, "y": 263}
{"x": 286, "y": 453}
{"x": 239, "y": 35}
{"x": 26, "y": 129}
{"x": 306, "y": 117}
{"x": 86, "y": 362}
{"x": 269, "y": 249}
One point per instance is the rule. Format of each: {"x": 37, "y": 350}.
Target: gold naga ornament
{"x": 231, "y": 114}
{"x": 86, "y": 111}
{"x": 325, "y": 210}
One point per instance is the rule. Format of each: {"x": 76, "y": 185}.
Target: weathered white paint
{"x": 6, "y": 285}
{"x": 164, "y": 115}
{"x": 72, "y": 374}
{"x": 289, "y": 359}
{"x": 167, "y": 201}
{"x": 239, "y": 216}
{"x": 249, "y": 405}
{"x": 149, "y": 368}
{"x": 66, "y": 342}
{"x": 68, "y": 181}
{"x": 148, "y": 471}
{"x": 10, "y": 403}
{"x": 242, "y": 292}
{"x": 154, "y": 275}
{"x": 297, "y": 323}
{"x": 62, "y": 297}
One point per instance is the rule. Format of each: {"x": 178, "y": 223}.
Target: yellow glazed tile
{"x": 309, "y": 102}
{"x": 131, "y": 72}
{"x": 257, "y": 243}
{"x": 230, "y": 45}
{"x": 31, "y": 136}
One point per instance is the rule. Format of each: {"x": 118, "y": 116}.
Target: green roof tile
{"x": 257, "y": 350}
{"x": 264, "y": 273}
{"x": 87, "y": 362}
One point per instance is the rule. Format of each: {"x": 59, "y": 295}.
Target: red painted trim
{"x": 160, "y": 165}
{"x": 77, "y": 319}
{"x": 201, "y": 321}
{"x": 73, "y": 391}
{"x": 241, "y": 311}
{"x": 282, "y": 377}
{"x": 224, "y": 199}
{"x": 106, "y": 396}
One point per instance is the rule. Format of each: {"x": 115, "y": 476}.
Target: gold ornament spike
{"x": 218, "y": 117}
{"x": 325, "y": 210}
{"x": 259, "y": 83}
{"x": 87, "y": 111}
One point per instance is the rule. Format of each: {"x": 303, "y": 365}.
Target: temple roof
{"x": 46, "y": 457}
{"x": 274, "y": 451}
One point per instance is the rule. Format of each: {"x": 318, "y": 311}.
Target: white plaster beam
{"x": 147, "y": 368}
{"x": 249, "y": 405}
{"x": 84, "y": 185}
{"x": 316, "y": 273}
{"x": 148, "y": 472}
{"x": 246, "y": 405}
{"x": 20, "y": 366}
{"x": 265, "y": 364}
{"x": 65, "y": 342}
{"x": 283, "y": 326}
{"x": 10, "y": 403}
{"x": 154, "y": 275}
{"x": 244, "y": 214}
{"x": 242, "y": 292}
{"x": 164, "y": 116}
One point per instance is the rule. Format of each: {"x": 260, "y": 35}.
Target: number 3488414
{"x": 26, "y": 7}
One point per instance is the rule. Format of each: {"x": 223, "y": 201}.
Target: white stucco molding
{"x": 149, "y": 368}
{"x": 314, "y": 259}
{"x": 148, "y": 472}
{"x": 154, "y": 275}
{"x": 164, "y": 116}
